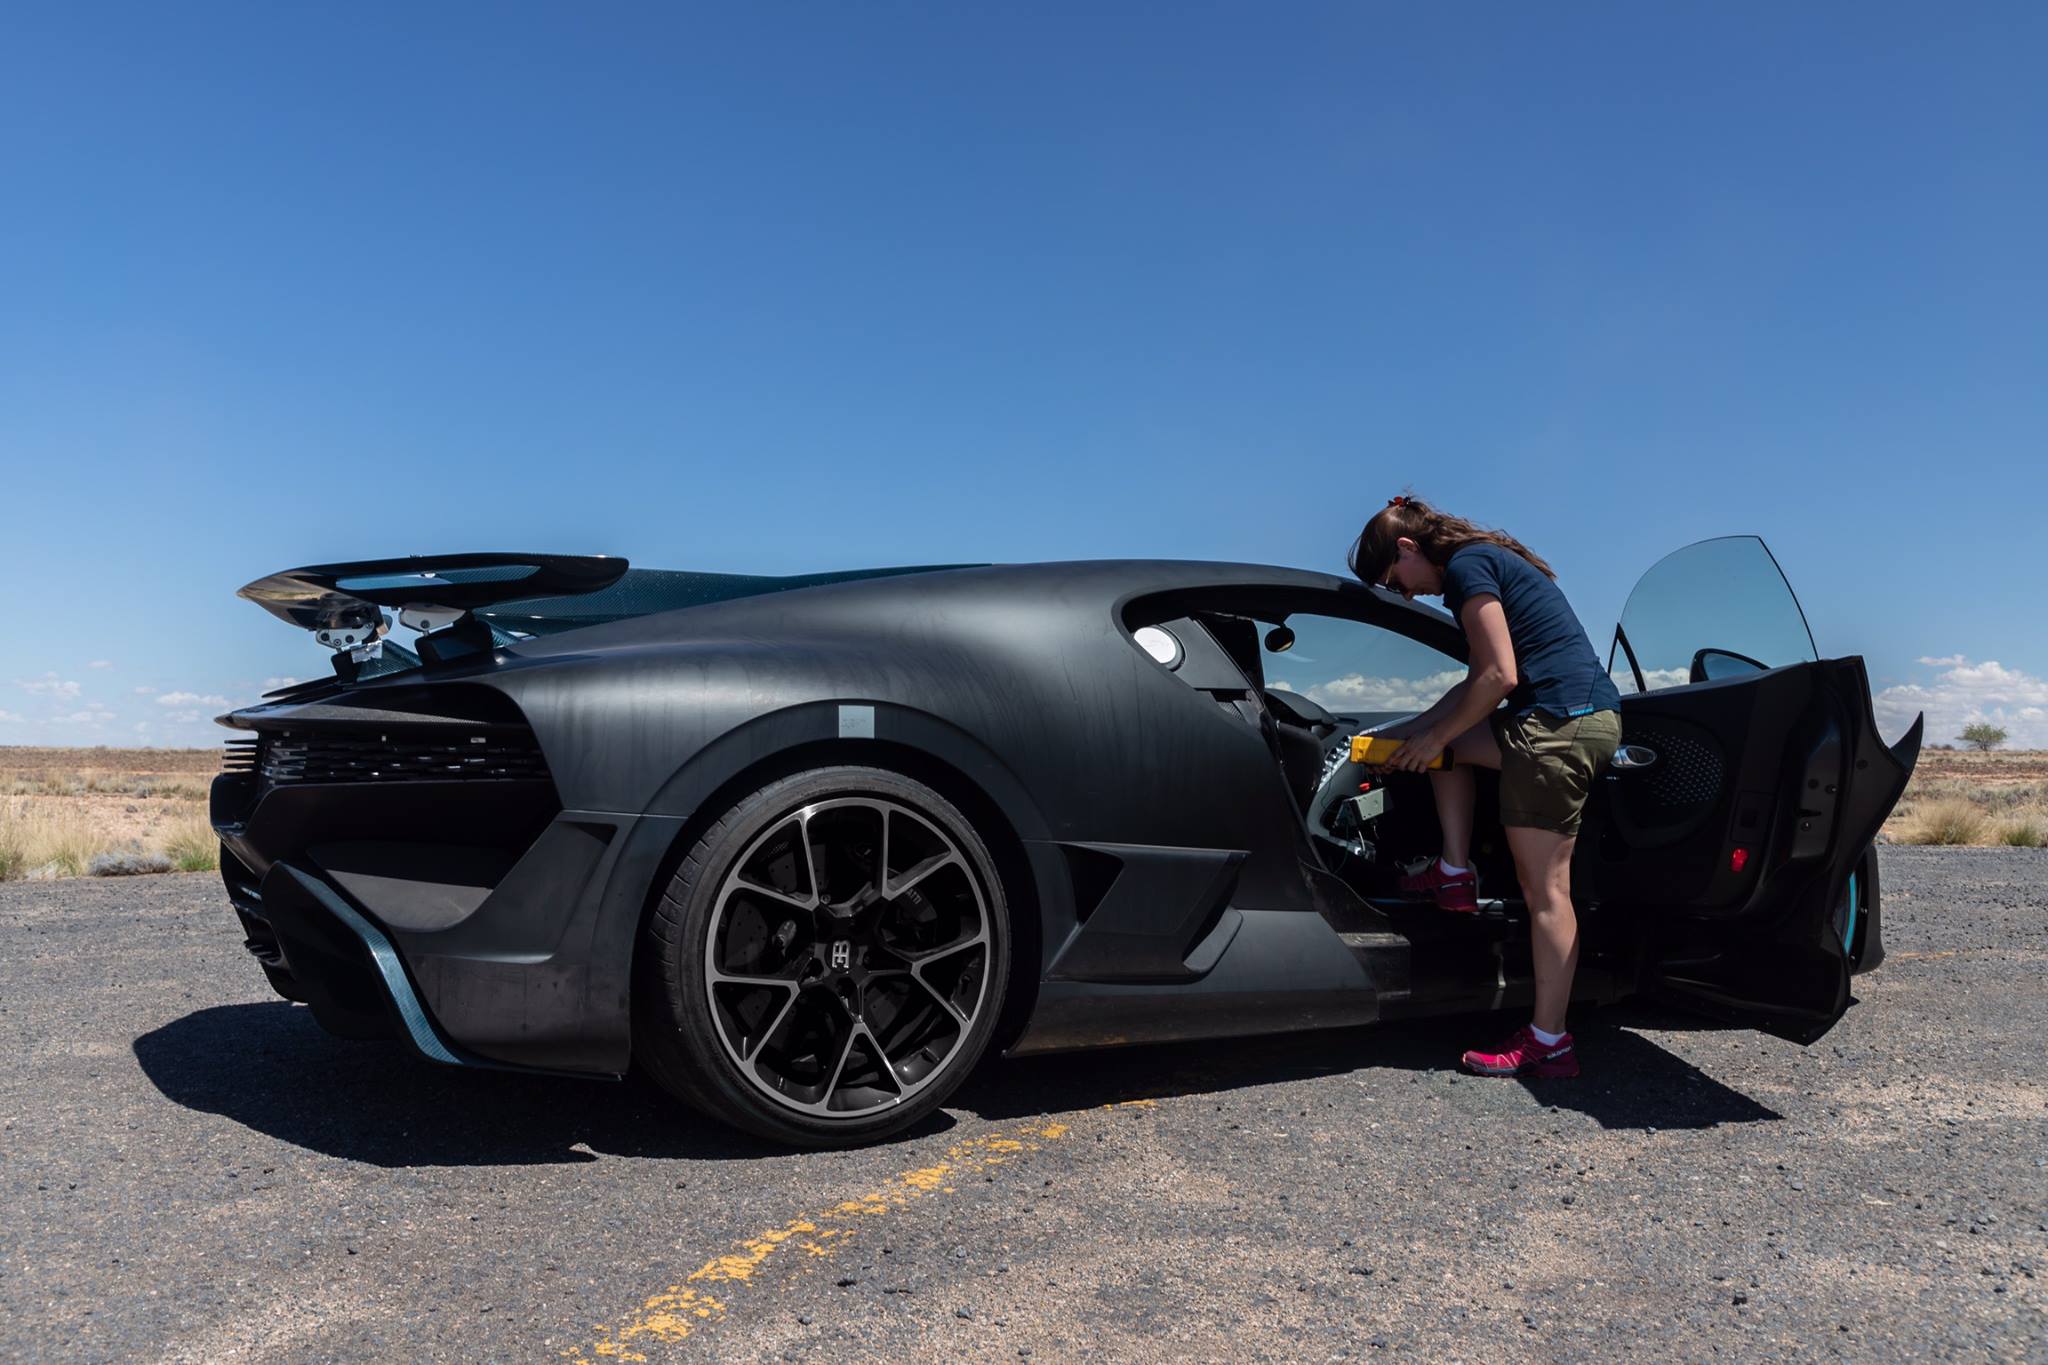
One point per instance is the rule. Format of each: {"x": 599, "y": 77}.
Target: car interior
{"x": 1364, "y": 826}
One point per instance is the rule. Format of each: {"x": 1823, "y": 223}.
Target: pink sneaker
{"x": 1450, "y": 890}
{"x": 1523, "y": 1053}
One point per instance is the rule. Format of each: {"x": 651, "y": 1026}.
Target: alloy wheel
{"x": 847, "y": 956}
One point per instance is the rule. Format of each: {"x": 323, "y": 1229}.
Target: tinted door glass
{"x": 1726, "y": 595}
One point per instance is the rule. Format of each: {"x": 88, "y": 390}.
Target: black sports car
{"x": 806, "y": 848}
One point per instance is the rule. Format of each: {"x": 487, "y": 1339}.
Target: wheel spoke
{"x": 720, "y": 977}
{"x": 888, "y": 1067}
{"x": 879, "y": 887}
{"x": 918, "y": 873}
{"x": 853, "y": 1030}
{"x": 773, "y": 1024}
{"x": 803, "y": 838}
{"x": 922, "y": 957}
{"x": 959, "y": 1015}
{"x": 753, "y": 887}
{"x": 741, "y": 881}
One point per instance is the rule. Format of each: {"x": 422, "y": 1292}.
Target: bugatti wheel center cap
{"x": 843, "y": 959}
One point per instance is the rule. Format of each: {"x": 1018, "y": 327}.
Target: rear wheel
{"x": 828, "y": 962}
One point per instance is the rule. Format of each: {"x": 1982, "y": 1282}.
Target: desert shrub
{"x": 13, "y": 849}
{"x": 127, "y": 863}
{"x": 2022, "y": 833}
{"x": 1949, "y": 820}
{"x": 193, "y": 846}
{"x": 167, "y": 788}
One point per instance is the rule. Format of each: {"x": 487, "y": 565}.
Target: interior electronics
{"x": 1348, "y": 800}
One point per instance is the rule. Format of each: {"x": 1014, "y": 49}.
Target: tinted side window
{"x": 1359, "y": 670}
{"x": 1726, "y": 597}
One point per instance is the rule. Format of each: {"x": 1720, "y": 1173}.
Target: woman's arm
{"x": 1415, "y": 725}
{"x": 1490, "y": 678}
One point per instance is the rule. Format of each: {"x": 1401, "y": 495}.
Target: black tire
{"x": 687, "y": 1031}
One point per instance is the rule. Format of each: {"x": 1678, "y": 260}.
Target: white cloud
{"x": 272, "y": 684}
{"x": 92, "y": 715}
{"x": 141, "y": 727}
{"x": 184, "y": 717}
{"x": 192, "y": 699}
{"x": 145, "y": 691}
{"x": 9, "y": 717}
{"x": 50, "y": 685}
{"x": 1964, "y": 693}
{"x": 1356, "y": 692}
{"x": 1625, "y": 681}
{"x": 101, "y": 663}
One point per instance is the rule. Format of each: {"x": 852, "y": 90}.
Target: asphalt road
{"x": 191, "y": 1170}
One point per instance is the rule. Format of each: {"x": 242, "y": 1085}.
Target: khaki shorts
{"x": 1547, "y": 766}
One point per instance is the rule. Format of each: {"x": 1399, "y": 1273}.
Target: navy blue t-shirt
{"x": 1554, "y": 661}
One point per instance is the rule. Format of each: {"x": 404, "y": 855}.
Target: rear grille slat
{"x": 290, "y": 758}
{"x": 239, "y": 756}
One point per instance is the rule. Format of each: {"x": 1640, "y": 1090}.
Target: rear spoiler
{"x": 343, "y": 604}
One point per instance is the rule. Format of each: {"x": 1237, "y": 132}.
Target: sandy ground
{"x": 1994, "y": 769}
{"x": 191, "y": 1171}
{"x": 130, "y": 798}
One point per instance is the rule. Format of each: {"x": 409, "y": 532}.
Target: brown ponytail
{"x": 1439, "y": 535}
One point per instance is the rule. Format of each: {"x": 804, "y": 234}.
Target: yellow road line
{"x": 682, "y": 1309}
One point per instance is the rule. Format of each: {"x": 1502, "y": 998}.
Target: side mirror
{"x": 1709, "y": 664}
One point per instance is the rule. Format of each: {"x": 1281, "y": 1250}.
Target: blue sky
{"x": 780, "y": 288}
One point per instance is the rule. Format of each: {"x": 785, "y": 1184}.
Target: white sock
{"x": 1453, "y": 871}
{"x": 1547, "y": 1039}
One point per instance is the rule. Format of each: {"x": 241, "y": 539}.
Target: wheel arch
{"x": 1003, "y": 826}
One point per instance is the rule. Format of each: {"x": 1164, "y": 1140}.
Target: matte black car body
{"x": 466, "y": 854}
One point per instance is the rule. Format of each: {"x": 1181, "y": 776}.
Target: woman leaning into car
{"x": 1558, "y": 729}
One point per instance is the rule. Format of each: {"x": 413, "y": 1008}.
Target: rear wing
{"x": 343, "y": 604}
{"x": 464, "y": 603}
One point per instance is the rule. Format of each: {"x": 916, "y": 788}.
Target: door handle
{"x": 1633, "y": 756}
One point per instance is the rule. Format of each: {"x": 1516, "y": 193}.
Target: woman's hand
{"x": 1416, "y": 754}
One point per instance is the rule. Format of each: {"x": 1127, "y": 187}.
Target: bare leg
{"x": 1455, "y": 789}
{"x": 1543, "y": 861}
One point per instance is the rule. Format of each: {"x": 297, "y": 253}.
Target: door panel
{"x": 1731, "y": 865}
{"x": 1661, "y": 833}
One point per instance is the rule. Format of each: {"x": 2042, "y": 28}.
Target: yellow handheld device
{"x": 1374, "y": 752}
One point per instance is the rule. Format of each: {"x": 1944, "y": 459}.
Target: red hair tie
{"x": 1397, "y": 502}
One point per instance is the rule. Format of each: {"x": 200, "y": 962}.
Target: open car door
{"x": 1750, "y": 784}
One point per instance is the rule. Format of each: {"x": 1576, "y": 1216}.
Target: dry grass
{"x": 62, "y": 808}
{"x": 2023, "y": 833}
{"x": 1974, "y": 798}
{"x": 69, "y": 763}
{"x": 141, "y": 787}
{"x": 39, "y": 838}
{"x": 1949, "y": 820}
{"x": 193, "y": 846}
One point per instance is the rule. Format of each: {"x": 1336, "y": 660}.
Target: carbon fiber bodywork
{"x": 504, "y": 823}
